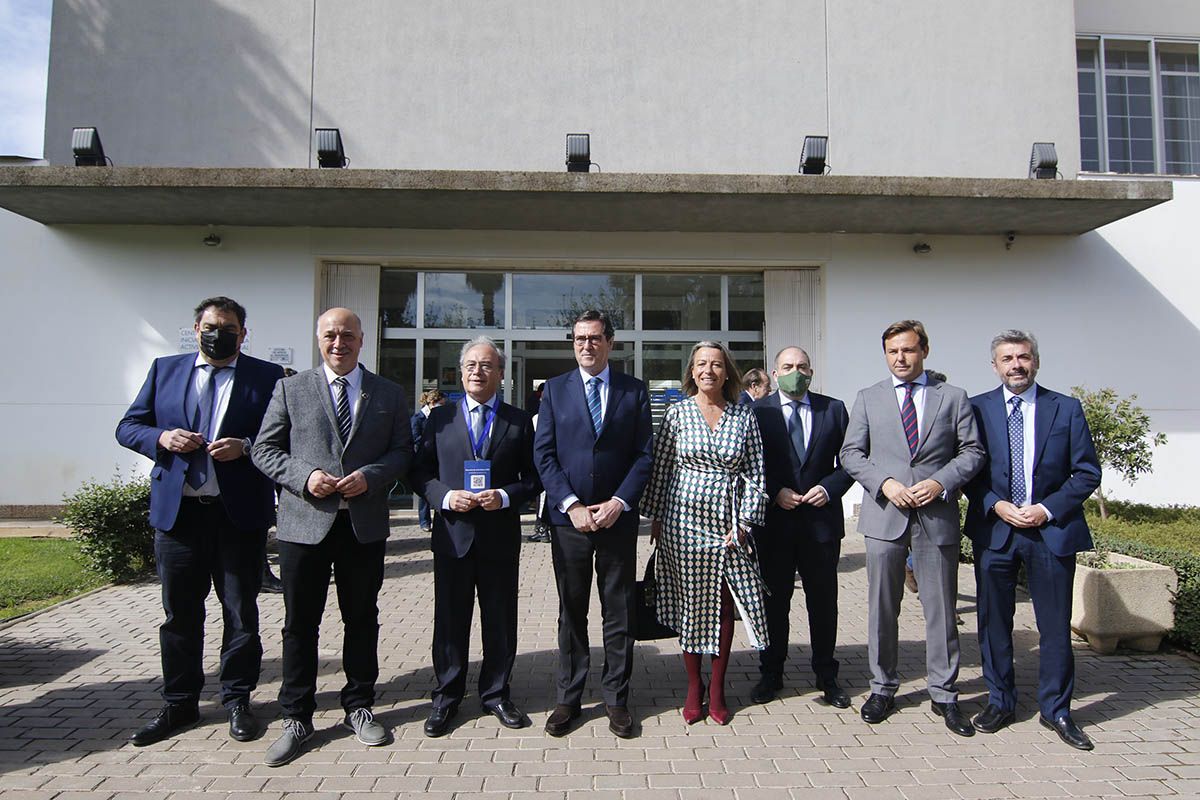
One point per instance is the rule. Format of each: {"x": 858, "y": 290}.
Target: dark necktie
{"x": 202, "y": 423}
{"x": 908, "y": 418}
{"x": 1016, "y": 453}
{"x": 796, "y": 430}
{"x": 594, "y": 403}
{"x": 479, "y": 418}
{"x": 342, "y": 407}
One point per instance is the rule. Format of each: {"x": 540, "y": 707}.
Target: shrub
{"x": 111, "y": 522}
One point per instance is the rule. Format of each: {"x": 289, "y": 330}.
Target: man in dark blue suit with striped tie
{"x": 196, "y": 417}
{"x": 592, "y": 450}
{"x": 1026, "y": 508}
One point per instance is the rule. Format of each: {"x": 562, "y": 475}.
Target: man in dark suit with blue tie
{"x": 195, "y": 417}
{"x": 476, "y": 538}
{"x": 1026, "y": 508}
{"x": 802, "y": 433}
{"x": 593, "y": 453}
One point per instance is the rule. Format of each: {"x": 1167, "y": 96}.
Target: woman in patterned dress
{"x": 704, "y": 493}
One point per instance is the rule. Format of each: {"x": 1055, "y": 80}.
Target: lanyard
{"x": 477, "y": 444}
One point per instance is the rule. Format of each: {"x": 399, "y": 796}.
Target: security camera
{"x": 1009, "y": 238}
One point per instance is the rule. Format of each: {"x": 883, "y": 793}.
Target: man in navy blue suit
{"x": 1026, "y": 508}
{"x": 476, "y": 538}
{"x": 195, "y": 417}
{"x": 593, "y": 453}
{"x": 802, "y": 433}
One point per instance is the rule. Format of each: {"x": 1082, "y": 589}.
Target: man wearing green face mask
{"x": 802, "y": 433}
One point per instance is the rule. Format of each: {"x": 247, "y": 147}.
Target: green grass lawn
{"x": 35, "y": 573}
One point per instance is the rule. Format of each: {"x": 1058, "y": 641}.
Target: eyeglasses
{"x": 594, "y": 339}
{"x": 485, "y": 367}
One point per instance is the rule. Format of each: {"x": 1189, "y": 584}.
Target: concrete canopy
{"x": 477, "y": 200}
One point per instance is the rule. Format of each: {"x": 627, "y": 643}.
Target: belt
{"x": 204, "y": 499}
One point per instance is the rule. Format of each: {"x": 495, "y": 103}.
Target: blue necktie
{"x": 594, "y": 403}
{"x": 202, "y": 422}
{"x": 796, "y": 430}
{"x": 1016, "y": 453}
{"x": 908, "y": 418}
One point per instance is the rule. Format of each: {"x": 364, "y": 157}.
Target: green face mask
{"x": 794, "y": 383}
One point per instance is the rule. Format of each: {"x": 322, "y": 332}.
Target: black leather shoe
{"x": 560, "y": 719}
{"x": 620, "y": 722}
{"x": 1068, "y": 731}
{"x": 956, "y": 721}
{"x": 992, "y": 719}
{"x": 877, "y": 708}
{"x": 507, "y": 712}
{"x": 438, "y": 722}
{"x": 170, "y": 720}
{"x": 270, "y": 583}
{"x": 243, "y": 725}
{"x": 835, "y": 695}
{"x": 766, "y": 689}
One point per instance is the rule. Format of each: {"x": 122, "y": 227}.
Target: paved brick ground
{"x": 75, "y": 681}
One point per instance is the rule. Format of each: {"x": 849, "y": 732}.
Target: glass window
{"x": 464, "y": 300}
{"x": 1179, "y": 71}
{"x": 543, "y": 300}
{"x": 440, "y": 367}
{"x": 1089, "y": 113}
{"x": 662, "y": 369}
{"x": 398, "y": 363}
{"x": 681, "y": 302}
{"x": 746, "y": 302}
{"x": 398, "y": 299}
{"x": 1130, "y": 119}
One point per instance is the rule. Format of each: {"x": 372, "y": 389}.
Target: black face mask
{"x": 218, "y": 345}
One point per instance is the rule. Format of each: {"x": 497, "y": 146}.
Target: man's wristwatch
{"x": 246, "y": 444}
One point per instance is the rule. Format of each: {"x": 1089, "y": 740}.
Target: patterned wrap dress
{"x": 704, "y": 483}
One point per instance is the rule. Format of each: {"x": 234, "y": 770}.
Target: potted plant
{"x": 1119, "y": 599}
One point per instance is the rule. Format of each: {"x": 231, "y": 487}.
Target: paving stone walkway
{"x": 77, "y": 680}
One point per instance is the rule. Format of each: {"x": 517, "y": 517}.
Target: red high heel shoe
{"x": 693, "y": 714}
{"x": 720, "y": 715}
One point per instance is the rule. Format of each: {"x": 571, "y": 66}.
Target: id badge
{"x": 477, "y": 475}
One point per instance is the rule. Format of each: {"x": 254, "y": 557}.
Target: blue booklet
{"x": 477, "y": 475}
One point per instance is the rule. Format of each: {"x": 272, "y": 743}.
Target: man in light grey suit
{"x": 336, "y": 438}
{"x": 912, "y": 443}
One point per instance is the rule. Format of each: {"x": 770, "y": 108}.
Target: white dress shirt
{"x": 196, "y": 389}
{"x": 1028, "y": 409}
{"x": 491, "y": 403}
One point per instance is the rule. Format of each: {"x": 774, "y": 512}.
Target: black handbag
{"x": 646, "y": 626}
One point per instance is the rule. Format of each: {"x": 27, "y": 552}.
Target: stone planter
{"x": 1131, "y": 604}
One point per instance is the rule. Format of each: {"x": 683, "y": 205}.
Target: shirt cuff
{"x": 623, "y": 503}
{"x": 1049, "y": 516}
{"x": 504, "y": 503}
{"x": 569, "y": 501}
{"x": 446, "y": 501}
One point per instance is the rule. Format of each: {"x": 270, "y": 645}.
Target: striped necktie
{"x": 342, "y": 407}
{"x": 908, "y": 418}
{"x": 594, "y": 403}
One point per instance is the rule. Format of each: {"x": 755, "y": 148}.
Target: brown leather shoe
{"x": 559, "y": 722}
{"x": 619, "y": 721}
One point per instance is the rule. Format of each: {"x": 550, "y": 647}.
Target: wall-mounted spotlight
{"x": 579, "y": 152}
{"x": 85, "y": 144}
{"x": 330, "y": 153}
{"x": 922, "y": 248}
{"x": 211, "y": 239}
{"x": 812, "y": 155}
{"x": 1043, "y": 161}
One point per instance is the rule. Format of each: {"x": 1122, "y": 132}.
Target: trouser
{"x": 204, "y": 550}
{"x": 358, "y": 572}
{"x": 613, "y": 552}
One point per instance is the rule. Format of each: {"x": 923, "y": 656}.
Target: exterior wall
{"x": 662, "y": 87}
{"x": 1157, "y": 18}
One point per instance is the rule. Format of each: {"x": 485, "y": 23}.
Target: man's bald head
{"x": 339, "y": 335}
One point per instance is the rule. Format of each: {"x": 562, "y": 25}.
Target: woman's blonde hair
{"x": 733, "y": 377}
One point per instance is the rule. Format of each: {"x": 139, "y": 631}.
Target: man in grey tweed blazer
{"x": 336, "y": 439}
{"x": 912, "y": 443}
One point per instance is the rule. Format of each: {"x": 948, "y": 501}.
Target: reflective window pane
{"x": 681, "y": 302}
{"x": 398, "y": 299}
{"x": 464, "y": 300}
{"x": 746, "y": 302}
{"x": 553, "y": 301}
